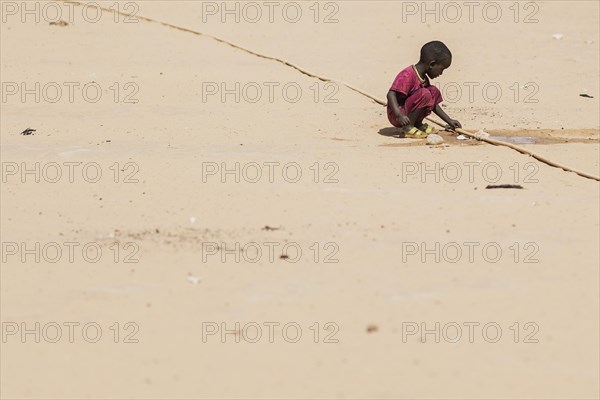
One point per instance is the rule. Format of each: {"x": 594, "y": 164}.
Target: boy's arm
{"x": 442, "y": 114}
{"x": 392, "y": 98}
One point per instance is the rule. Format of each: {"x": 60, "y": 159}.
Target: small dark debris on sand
{"x": 28, "y": 132}
{"x": 59, "y": 23}
{"x": 586, "y": 95}
{"x": 504, "y": 187}
{"x": 372, "y": 328}
{"x": 271, "y": 228}
{"x": 284, "y": 256}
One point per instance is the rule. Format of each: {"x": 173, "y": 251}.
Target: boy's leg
{"x": 421, "y": 103}
{"x": 417, "y": 106}
{"x": 436, "y": 98}
{"x": 416, "y": 116}
{"x": 412, "y": 116}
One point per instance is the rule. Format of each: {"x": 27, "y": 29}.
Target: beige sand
{"x": 369, "y": 210}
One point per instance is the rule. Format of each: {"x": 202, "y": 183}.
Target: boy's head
{"x": 436, "y": 57}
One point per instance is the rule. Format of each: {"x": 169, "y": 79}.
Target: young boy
{"x": 411, "y": 98}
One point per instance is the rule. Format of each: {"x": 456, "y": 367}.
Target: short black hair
{"x": 435, "y": 50}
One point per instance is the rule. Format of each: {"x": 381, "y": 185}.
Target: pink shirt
{"x": 407, "y": 81}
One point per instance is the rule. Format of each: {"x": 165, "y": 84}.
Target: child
{"x": 411, "y": 98}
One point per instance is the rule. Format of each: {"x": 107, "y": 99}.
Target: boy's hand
{"x": 454, "y": 124}
{"x": 402, "y": 119}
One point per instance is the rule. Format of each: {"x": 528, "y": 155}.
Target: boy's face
{"x": 436, "y": 68}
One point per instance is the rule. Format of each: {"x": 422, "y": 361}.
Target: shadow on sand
{"x": 391, "y": 131}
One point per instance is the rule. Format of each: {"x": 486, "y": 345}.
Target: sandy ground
{"x": 384, "y": 237}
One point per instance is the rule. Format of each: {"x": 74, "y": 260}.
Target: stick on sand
{"x": 489, "y": 140}
{"x": 519, "y": 149}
